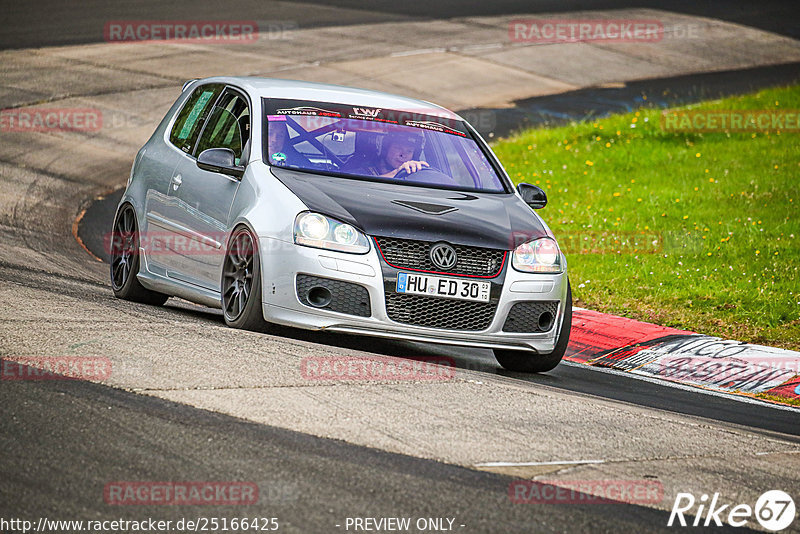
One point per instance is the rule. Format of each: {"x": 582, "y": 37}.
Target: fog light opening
{"x": 319, "y": 296}
{"x": 545, "y": 321}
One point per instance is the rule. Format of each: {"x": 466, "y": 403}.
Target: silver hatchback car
{"x": 331, "y": 208}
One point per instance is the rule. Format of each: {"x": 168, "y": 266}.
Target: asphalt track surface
{"x": 585, "y": 104}
{"x": 53, "y": 23}
{"x": 569, "y": 377}
{"x": 308, "y": 483}
{"x": 555, "y": 109}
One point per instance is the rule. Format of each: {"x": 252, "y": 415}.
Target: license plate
{"x": 437, "y": 286}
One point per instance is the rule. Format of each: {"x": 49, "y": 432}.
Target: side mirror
{"x": 220, "y": 160}
{"x": 533, "y": 195}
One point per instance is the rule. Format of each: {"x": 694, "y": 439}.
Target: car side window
{"x": 227, "y": 127}
{"x": 190, "y": 119}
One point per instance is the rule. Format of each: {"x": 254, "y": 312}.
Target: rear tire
{"x": 241, "y": 283}
{"x": 124, "y": 248}
{"x": 525, "y": 361}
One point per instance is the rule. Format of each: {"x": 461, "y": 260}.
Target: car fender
{"x": 268, "y": 208}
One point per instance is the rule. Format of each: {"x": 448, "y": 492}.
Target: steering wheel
{"x": 428, "y": 175}
{"x": 401, "y": 174}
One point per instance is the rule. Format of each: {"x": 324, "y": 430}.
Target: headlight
{"x": 538, "y": 256}
{"x": 317, "y": 230}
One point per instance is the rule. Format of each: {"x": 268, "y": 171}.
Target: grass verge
{"x": 698, "y": 231}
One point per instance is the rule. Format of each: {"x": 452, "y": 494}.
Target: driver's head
{"x": 397, "y": 148}
{"x": 278, "y": 134}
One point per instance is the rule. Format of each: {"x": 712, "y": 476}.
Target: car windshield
{"x": 376, "y": 144}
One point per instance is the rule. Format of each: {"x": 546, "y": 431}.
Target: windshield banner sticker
{"x": 307, "y": 110}
{"x": 280, "y": 107}
{"x": 435, "y": 126}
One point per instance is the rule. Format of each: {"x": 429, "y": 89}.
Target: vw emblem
{"x": 443, "y": 256}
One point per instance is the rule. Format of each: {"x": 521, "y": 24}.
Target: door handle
{"x": 176, "y": 182}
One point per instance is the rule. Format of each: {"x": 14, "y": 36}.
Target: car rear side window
{"x": 190, "y": 119}
{"x": 227, "y": 127}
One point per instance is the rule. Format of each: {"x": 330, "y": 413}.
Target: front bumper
{"x": 282, "y": 261}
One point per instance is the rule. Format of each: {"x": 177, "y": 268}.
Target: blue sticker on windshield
{"x": 279, "y": 158}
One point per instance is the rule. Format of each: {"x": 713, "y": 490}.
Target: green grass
{"x": 698, "y": 231}
{"x": 778, "y": 399}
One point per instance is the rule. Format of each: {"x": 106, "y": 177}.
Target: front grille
{"x": 524, "y": 316}
{"x": 411, "y": 254}
{"x": 348, "y": 298}
{"x": 432, "y": 312}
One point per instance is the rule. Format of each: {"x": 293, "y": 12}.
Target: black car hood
{"x": 488, "y": 220}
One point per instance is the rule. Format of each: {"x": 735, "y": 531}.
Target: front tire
{"x": 125, "y": 260}
{"x": 241, "y": 283}
{"x": 526, "y": 361}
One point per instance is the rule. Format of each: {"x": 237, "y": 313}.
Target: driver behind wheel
{"x": 396, "y": 154}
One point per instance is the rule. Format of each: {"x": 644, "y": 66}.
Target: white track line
{"x": 418, "y": 52}
{"x": 523, "y": 464}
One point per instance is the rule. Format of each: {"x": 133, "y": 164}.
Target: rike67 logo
{"x": 774, "y": 510}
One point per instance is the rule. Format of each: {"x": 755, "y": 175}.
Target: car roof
{"x": 338, "y": 94}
